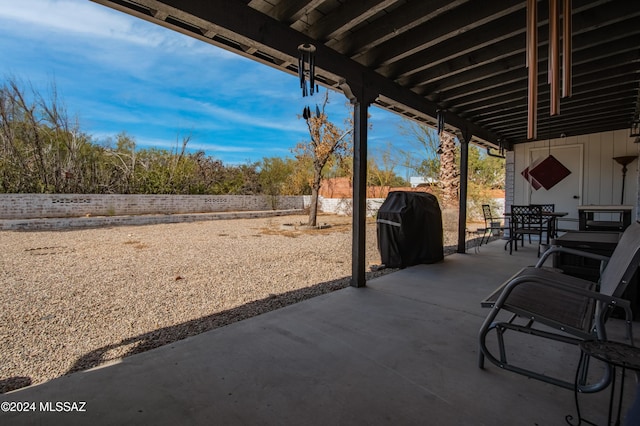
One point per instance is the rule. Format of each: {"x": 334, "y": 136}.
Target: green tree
{"x": 381, "y": 168}
{"x": 273, "y": 175}
{"x": 299, "y": 182}
{"x": 484, "y": 170}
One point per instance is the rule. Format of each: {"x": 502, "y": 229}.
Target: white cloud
{"x": 191, "y": 146}
{"x": 92, "y": 20}
{"x": 75, "y": 16}
{"x": 254, "y": 119}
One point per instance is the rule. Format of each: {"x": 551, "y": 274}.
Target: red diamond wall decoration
{"x": 549, "y": 172}
{"x": 534, "y": 183}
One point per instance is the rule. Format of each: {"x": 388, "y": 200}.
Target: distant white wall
{"x": 344, "y": 206}
{"x": 415, "y": 181}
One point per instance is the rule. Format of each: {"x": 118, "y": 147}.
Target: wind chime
{"x": 307, "y": 75}
{"x": 554, "y": 59}
{"x": 546, "y": 173}
{"x": 307, "y": 69}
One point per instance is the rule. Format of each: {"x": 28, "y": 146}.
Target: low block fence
{"x": 36, "y": 206}
{"x": 64, "y": 211}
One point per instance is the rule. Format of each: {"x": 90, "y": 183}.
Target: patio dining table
{"x": 551, "y": 219}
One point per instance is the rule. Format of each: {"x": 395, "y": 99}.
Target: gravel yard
{"x": 71, "y": 300}
{"x": 76, "y": 299}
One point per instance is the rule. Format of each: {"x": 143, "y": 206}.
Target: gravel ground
{"x": 71, "y": 300}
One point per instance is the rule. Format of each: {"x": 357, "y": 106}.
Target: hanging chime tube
{"x": 566, "y": 49}
{"x": 532, "y": 64}
{"x": 554, "y": 56}
{"x": 440, "y": 122}
{"x": 312, "y": 72}
{"x": 301, "y": 74}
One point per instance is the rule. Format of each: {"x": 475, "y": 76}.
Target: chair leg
{"x": 482, "y": 241}
{"x": 501, "y": 361}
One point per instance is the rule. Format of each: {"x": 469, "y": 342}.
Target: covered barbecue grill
{"x": 409, "y": 227}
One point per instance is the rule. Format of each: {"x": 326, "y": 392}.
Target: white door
{"x": 566, "y": 194}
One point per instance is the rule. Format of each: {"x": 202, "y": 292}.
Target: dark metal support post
{"x": 361, "y": 100}
{"x": 358, "y": 248}
{"x": 464, "y": 177}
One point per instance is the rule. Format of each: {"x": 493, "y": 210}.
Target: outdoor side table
{"x": 617, "y": 355}
{"x": 588, "y": 218}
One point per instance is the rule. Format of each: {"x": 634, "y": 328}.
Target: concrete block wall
{"x": 69, "y": 211}
{"x": 32, "y": 206}
{"x": 57, "y": 223}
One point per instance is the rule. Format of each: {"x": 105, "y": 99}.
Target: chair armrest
{"x": 559, "y": 284}
{"x": 582, "y": 253}
{"x": 602, "y": 300}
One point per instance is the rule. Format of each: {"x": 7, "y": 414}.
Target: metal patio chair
{"x": 525, "y": 220}
{"x": 548, "y": 222}
{"x": 544, "y": 302}
{"x": 491, "y": 224}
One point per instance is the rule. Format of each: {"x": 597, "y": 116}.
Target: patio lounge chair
{"x": 546, "y": 303}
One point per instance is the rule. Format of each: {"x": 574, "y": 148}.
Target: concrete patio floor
{"x": 402, "y": 351}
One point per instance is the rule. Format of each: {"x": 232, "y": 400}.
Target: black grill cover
{"x": 409, "y": 227}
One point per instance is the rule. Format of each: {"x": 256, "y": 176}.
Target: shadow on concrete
{"x": 166, "y": 335}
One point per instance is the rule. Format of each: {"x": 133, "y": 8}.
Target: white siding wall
{"x": 602, "y": 178}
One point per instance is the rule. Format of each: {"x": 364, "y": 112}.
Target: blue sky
{"x": 117, "y": 73}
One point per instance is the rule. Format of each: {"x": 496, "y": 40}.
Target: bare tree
{"x": 45, "y": 146}
{"x": 124, "y": 165}
{"x": 425, "y": 141}
{"x": 327, "y": 141}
